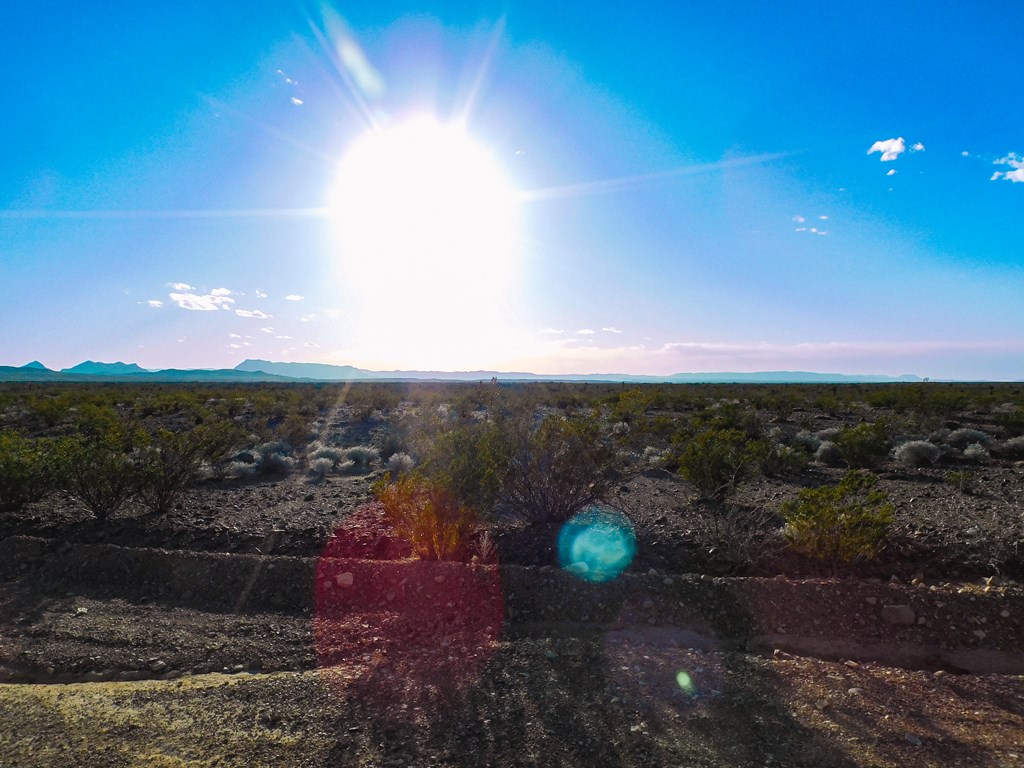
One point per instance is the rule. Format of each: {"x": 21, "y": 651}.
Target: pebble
{"x": 156, "y": 665}
{"x": 915, "y": 740}
{"x": 439, "y": 578}
{"x": 345, "y": 579}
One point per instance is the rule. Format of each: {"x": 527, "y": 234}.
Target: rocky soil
{"x": 280, "y": 623}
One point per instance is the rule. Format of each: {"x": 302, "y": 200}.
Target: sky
{"x": 570, "y": 187}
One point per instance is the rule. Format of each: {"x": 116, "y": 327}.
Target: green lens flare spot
{"x": 685, "y": 682}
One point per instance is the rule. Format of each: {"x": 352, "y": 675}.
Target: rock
{"x": 820, "y": 704}
{"x": 855, "y": 691}
{"x": 667, "y": 581}
{"x": 915, "y": 740}
{"x": 980, "y": 634}
{"x": 898, "y": 614}
{"x": 1004, "y": 613}
{"x": 345, "y": 579}
{"x": 439, "y": 578}
{"x": 156, "y": 665}
{"x": 871, "y": 600}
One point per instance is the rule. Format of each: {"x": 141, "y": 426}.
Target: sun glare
{"x": 426, "y": 224}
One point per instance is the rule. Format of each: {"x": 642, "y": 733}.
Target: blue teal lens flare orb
{"x": 597, "y": 544}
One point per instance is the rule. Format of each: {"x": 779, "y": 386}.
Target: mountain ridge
{"x": 256, "y": 370}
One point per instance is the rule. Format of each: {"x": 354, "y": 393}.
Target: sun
{"x": 426, "y": 224}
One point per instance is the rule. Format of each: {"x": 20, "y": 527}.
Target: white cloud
{"x": 965, "y": 153}
{"x": 181, "y": 286}
{"x": 1015, "y": 162}
{"x": 308, "y": 318}
{"x": 234, "y": 346}
{"x": 891, "y": 172}
{"x": 799, "y": 229}
{"x": 220, "y": 292}
{"x": 155, "y": 303}
{"x": 267, "y": 330}
{"x": 234, "y": 336}
{"x": 253, "y": 313}
{"x": 585, "y": 331}
{"x": 201, "y": 303}
{"x": 296, "y": 101}
{"x": 293, "y": 297}
{"x": 611, "y": 329}
{"x": 260, "y": 294}
{"x": 919, "y": 147}
{"x": 282, "y": 337}
{"x": 551, "y": 332}
{"x": 799, "y": 219}
{"x": 890, "y": 148}
{"x": 311, "y": 345}
{"x": 823, "y": 218}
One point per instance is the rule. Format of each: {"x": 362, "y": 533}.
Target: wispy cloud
{"x": 611, "y": 329}
{"x": 585, "y": 331}
{"x": 155, "y": 303}
{"x": 267, "y": 330}
{"x": 181, "y": 286}
{"x": 311, "y": 345}
{"x": 282, "y": 337}
{"x": 890, "y": 148}
{"x": 1015, "y": 162}
{"x": 550, "y": 332}
{"x": 260, "y": 294}
{"x": 297, "y": 101}
{"x": 294, "y": 297}
{"x": 257, "y": 313}
{"x": 891, "y": 172}
{"x": 207, "y": 302}
{"x": 799, "y": 219}
{"x": 918, "y": 147}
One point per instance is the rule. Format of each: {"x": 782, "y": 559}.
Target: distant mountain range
{"x": 268, "y": 371}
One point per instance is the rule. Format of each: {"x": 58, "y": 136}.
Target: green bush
{"x": 471, "y": 460}
{"x": 557, "y": 468}
{"x": 427, "y": 516}
{"x": 864, "y": 446}
{"x": 101, "y": 471}
{"x": 774, "y": 460}
{"x": 25, "y": 470}
{"x": 838, "y": 524}
{"x": 167, "y": 462}
{"x": 715, "y": 461}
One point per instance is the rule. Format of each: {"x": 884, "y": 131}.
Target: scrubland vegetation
{"x": 449, "y": 462}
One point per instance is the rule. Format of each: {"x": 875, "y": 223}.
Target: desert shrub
{"x": 775, "y": 460}
{"x": 430, "y": 518}
{"x": 736, "y": 539}
{"x": 962, "y": 438}
{"x": 1012, "y": 420}
{"x": 838, "y": 524}
{"x": 828, "y": 454}
{"x": 975, "y": 452}
{"x": 100, "y": 471}
{"x": 239, "y": 470}
{"x": 166, "y": 462}
{"x": 864, "y": 446}
{"x": 363, "y": 455}
{"x": 557, "y": 468}
{"x": 715, "y": 461}
{"x": 296, "y": 430}
{"x": 806, "y": 441}
{"x": 962, "y": 480}
{"x": 25, "y": 470}
{"x": 321, "y": 467}
{"x": 317, "y": 450}
{"x": 274, "y": 463}
{"x": 1013, "y": 448}
{"x": 400, "y": 464}
{"x": 917, "y": 453}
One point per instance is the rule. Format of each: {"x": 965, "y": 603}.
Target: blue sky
{"x": 692, "y": 186}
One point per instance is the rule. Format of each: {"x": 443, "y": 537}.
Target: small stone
{"x": 855, "y": 691}
{"x": 871, "y": 600}
{"x": 81, "y": 611}
{"x": 345, "y": 579}
{"x": 439, "y": 578}
{"x": 667, "y": 581}
{"x": 915, "y": 740}
{"x": 820, "y": 704}
{"x": 652, "y": 572}
{"x": 1004, "y": 613}
{"x": 156, "y": 665}
{"x": 648, "y": 604}
{"x": 898, "y": 614}
{"x": 979, "y": 633}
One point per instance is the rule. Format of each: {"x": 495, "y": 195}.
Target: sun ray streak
{"x": 481, "y": 71}
{"x": 607, "y": 186}
{"x": 223, "y": 108}
{"x": 328, "y": 44}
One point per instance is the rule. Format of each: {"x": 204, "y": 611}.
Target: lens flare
{"x": 685, "y": 682}
{"x": 597, "y": 544}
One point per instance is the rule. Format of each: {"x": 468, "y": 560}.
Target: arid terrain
{"x": 276, "y": 618}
